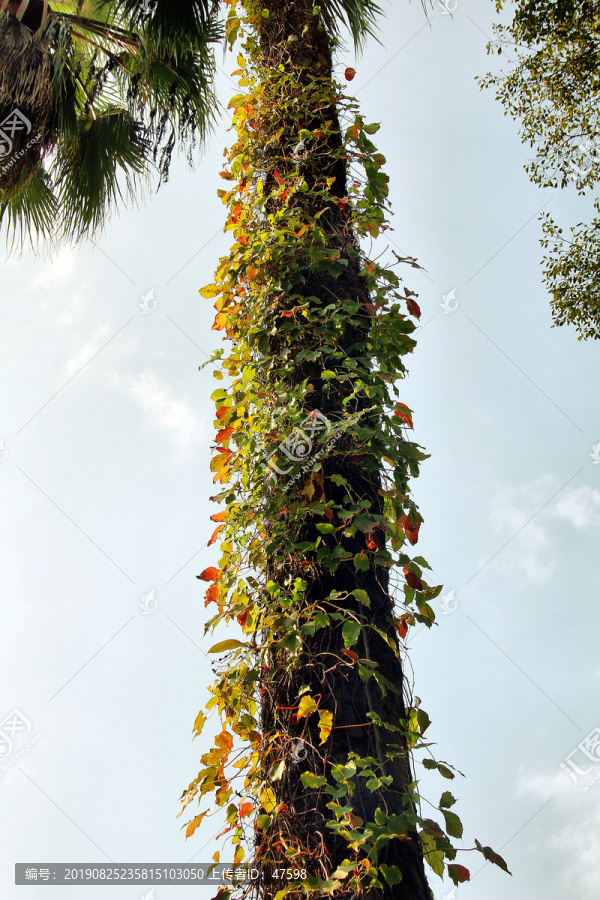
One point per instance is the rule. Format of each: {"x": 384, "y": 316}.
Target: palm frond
{"x": 103, "y": 164}
{"x": 30, "y": 209}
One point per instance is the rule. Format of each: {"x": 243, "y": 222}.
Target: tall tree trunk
{"x": 292, "y": 36}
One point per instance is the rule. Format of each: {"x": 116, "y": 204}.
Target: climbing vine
{"x": 313, "y": 462}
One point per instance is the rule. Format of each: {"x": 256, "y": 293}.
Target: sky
{"x": 105, "y": 430}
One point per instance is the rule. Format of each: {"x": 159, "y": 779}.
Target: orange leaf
{"x": 242, "y": 239}
{"x": 219, "y": 517}
{"x": 194, "y": 824}
{"x": 222, "y": 412}
{"x": 411, "y": 531}
{"x": 212, "y": 595}
{"x": 245, "y": 808}
{"x": 215, "y": 535}
{"x": 413, "y": 307}
{"x": 349, "y": 73}
{"x": 353, "y": 656}
{"x": 210, "y": 574}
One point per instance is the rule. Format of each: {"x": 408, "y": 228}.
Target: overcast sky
{"x": 106, "y": 427}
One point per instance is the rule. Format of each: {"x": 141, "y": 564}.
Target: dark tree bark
{"x": 341, "y": 690}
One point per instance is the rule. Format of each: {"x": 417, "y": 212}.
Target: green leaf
{"x": 263, "y": 822}
{"x": 325, "y": 528}
{"x": 372, "y": 129}
{"x": 351, "y": 632}
{"x": 453, "y": 824}
{"x": 392, "y": 874}
{"x": 433, "y": 856}
{"x": 492, "y": 856}
{"x": 310, "y": 780}
{"x": 447, "y": 800}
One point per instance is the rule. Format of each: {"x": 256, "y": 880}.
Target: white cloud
{"x": 580, "y": 506}
{"x": 164, "y": 411}
{"x": 59, "y": 281}
{"x": 533, "y": 548}
{"x": 574, "y": 825}
{"x": 512, "y": 508}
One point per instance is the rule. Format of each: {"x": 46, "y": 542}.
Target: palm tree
{"x": 317, "y": 689}
{"x": 92, "y": 95}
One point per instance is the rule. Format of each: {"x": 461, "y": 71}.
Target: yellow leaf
{"x": 325, "y": 723}
{"x": 199, "y": 723}
{"x": 211, "y": 290}
{"x": 267, "y": 800}
{"x": 307, "y": 706}
{"x": 241, "y": 61}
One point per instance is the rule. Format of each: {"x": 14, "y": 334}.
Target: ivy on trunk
{"x": 313, "y": 455}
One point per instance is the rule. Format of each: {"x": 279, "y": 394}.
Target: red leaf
{"x": 402, "y": 628}
{"x": 349, "y": 73}
{"x": 224, "y": 434}
{"x": 222, "y": 412}
{"x": 404, "y": 413}
{"x": 458, "y": 874}
{"x": 413, "y": 307}
{"x": 413, "y": 581}
{"x": 210, "y": 574}
{"x": 353, "y": 656}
